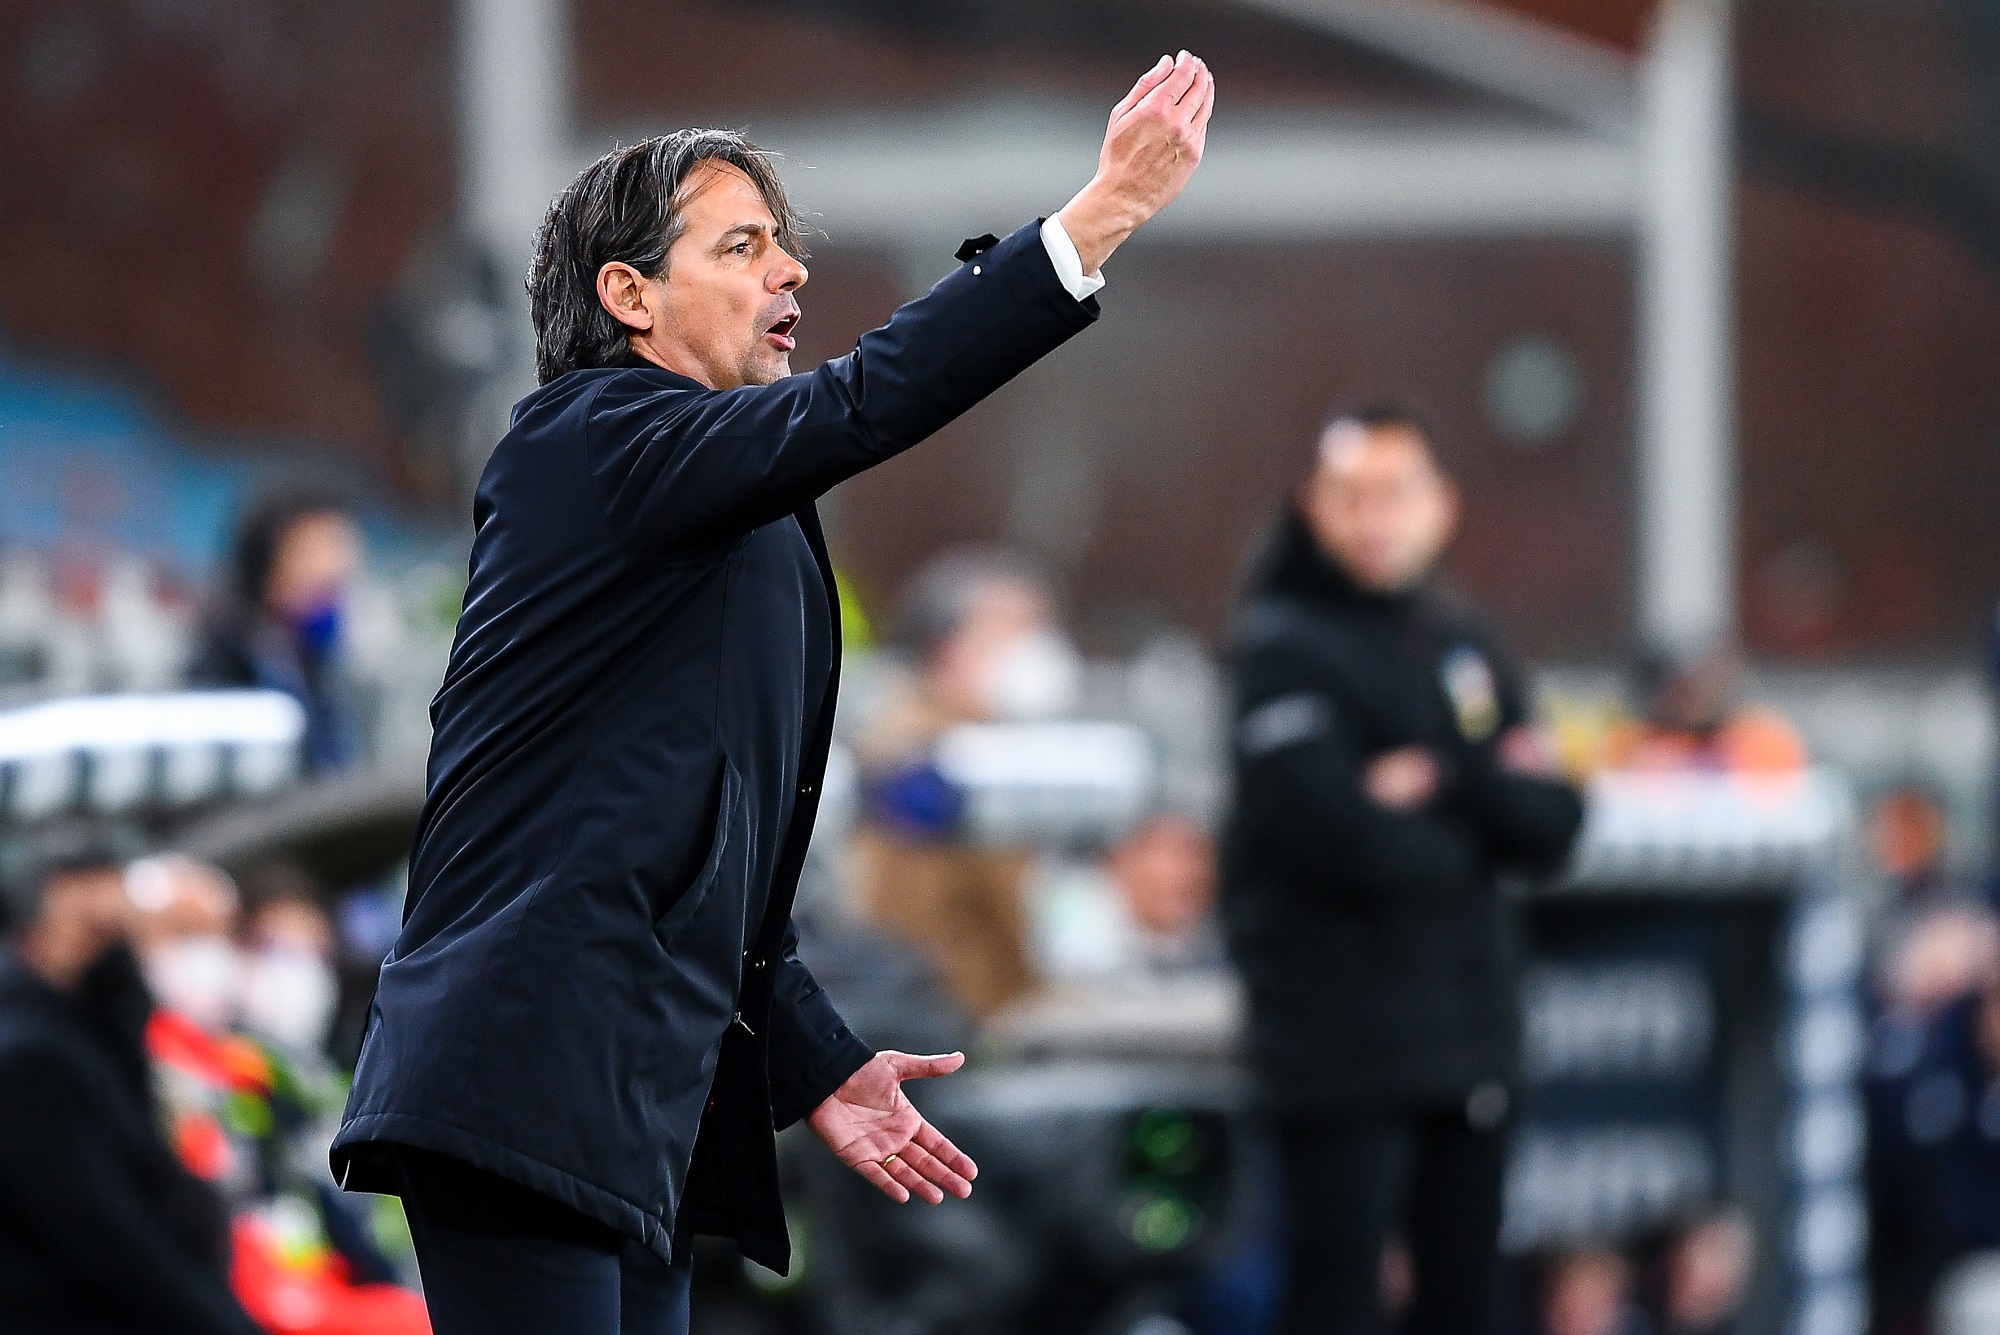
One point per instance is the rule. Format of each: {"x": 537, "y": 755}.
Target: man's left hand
{"x": 870, "y": 1123}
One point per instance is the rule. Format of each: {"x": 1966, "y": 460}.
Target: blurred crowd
{"x": 184, "y": 1032}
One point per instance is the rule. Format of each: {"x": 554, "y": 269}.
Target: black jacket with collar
{"x": 1376, "y": 945}
{"x": 596, "y": 992}
{"x": 102, "y": 1231}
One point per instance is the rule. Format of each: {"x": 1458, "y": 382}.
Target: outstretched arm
{"x": 682, "y": 466}
{"x": 1151, "y": 148}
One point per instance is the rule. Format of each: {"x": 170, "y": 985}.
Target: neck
{"x": 670, "y": 359}
{"x": 51, "y": 966}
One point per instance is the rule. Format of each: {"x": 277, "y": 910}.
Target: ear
{"x": 622, "y": 291}
{"x": 1452, "y": 508}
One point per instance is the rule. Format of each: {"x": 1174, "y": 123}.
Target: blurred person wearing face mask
{"x": 981, "y": 632}
{"x": 185, "y": 919}
{"x": 185, "y": 933}
{"x": 1387, "y": 773}
{"x": 102, "y": 1231}
{"x": 290, "y": 988}
{"x": 278, "y": 623}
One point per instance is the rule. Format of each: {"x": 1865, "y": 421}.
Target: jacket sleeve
{"x": 60, "y": 1185}
{"x": 1299, "y": 771}
{"x": 679, "y": 466}
{"x": 1526, "y": 823}
{"x": 812, "y": 1049}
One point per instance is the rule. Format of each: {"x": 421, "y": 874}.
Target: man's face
{"x": 724, "y": 311}
{"x": 83, "y": 914}
{"x": 1378, "y": 505}
{"x": 313, "y": 564}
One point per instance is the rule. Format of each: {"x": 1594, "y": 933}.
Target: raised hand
{"x": 1151, "y": 147}
{"x": 870, "y": 1123}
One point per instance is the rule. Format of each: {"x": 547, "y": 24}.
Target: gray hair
{"x": 626, "y": 208}
{"x": 942, "y": 593}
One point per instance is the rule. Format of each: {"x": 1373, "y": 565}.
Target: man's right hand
{"x": 1401, "y": 780}
{"x": 1151, "y": 148}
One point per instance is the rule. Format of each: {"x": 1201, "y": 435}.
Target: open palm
{"x": 871, "y": 1124}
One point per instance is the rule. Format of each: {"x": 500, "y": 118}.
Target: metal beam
{"x": 911, "y": 182}
{"x": 514, "y": 115}
{"x": 1687, "y": 451}
{"x": 515, "y": 149}
{"x": 1533, "y": 63}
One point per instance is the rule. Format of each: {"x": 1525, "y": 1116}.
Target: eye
{"x": 740, "y": 248}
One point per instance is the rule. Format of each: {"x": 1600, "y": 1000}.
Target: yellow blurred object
{"x": 857, "y": 631}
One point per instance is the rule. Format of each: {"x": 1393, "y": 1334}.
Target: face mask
{"x": 197, "y": 976}
{"x": 289, "y": 997}
{"x": 1038, "y": 676}
{"x": 319, "y": 629}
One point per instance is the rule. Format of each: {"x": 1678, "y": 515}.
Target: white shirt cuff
{"x": 1069, "y": 264}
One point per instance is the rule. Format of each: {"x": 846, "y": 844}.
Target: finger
{"x": 1200, "y": 106}
{"x": 1170, "y": 90}
{"x": 932, "y": 1140}
{"x": 1147, "y": 83}
{"x": 911, "y": 1181}
{"x": 931, "y": 1169}
{"x": 883, "y": 1183}
{"x": 910, "y": 1067}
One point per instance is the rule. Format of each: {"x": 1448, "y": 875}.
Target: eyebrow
{"x": 746, "y": 229}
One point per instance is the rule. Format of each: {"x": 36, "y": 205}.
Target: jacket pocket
{"x": 722, "y": 853}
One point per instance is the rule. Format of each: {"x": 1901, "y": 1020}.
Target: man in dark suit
{"x": 102, "y": 1231}
{"x": 1386, "y": 775}
{"x": 595, "y": 1019}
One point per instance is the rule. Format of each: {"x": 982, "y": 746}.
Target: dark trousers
{"x": 1351, "y": 1179}
{"x": 499, "y": 1259}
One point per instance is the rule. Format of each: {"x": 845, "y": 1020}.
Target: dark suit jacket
{"x": 102, "y": 1231}
{"x": 596, "y": 992}
{"x": 1375, "y": 945}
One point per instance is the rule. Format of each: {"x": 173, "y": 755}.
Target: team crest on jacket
{"x": 1475, "y": 696}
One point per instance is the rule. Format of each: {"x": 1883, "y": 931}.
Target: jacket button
{"x": 975, "y": 271}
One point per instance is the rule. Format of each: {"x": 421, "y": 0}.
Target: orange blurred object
{"x": 203, "y": 1146}
{"x": 312, "y": 1296}
{"x": 1752, "y": 742}
{"x": 228, "y": 1062}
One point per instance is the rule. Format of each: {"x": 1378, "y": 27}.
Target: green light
{"x": 1161, "y": 1223}
{"x": 1165, "y": 1141}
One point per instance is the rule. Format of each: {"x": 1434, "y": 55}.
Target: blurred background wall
{"x": 277, "y": 229}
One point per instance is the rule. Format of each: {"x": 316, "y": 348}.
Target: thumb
{"x": 909, "y": 1067}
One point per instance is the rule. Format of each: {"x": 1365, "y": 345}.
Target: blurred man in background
{"x": 1386, "y": 774}
{"x": 1696, "y": 719}
{"x": 277, "y": 625}
{"x": 984, "y": 644}
{"x": 102, "y": 1231}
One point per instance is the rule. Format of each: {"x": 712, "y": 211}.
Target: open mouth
{"x": 780, "y": 333}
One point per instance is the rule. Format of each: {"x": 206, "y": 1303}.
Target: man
{"x": 277, "y": 623}
{"x": 595, "y": 1018}
{"x": 1385, "y": 775}
{"x": 984, "y": 642}
{"x": 102, "y": 1232}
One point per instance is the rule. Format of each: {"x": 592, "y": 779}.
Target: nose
{"x": 787, "y": 275}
